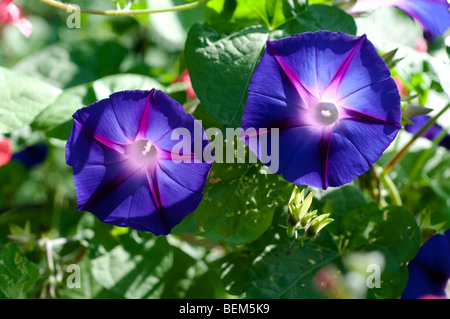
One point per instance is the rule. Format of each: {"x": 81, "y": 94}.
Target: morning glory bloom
{"x": 125, "y": 170}
{"x": 429, "y": 270}
{"x": 333, "y": 100}
{"x": 32, "y": 155}
{"x": 433, "y": 132}
{"x": 434, "y": 15}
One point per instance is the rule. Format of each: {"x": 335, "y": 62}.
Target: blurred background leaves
{"x": 234, "y": 245}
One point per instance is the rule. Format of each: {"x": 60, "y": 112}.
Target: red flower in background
{"x": 400, "y": 85}
{"x": 421, "y": 45}
{"x": 10, "y": 13}
{"x": 185, "y": 78}
{"x": 5, "y": 151}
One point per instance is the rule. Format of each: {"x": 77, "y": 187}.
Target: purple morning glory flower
{"x": 125, "y": 169}
{"x": 433, "y": 132}
{"x": 31, "y": 155}
{"x": 334, "y": 102}
{"x": 429, "y": 270}
{"x": 434, "y": 15}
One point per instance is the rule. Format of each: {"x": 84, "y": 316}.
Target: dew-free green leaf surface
{"x": 22, "y": 99}
{"x": 17, "y": 273}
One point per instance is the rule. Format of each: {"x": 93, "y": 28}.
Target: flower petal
{"x": 165, "y": 115}
{"x": 271, "y": 80}
{"x": 434, "y": 15}
{"x": 100, "y": 122}
{"x": 333, "y": 51}
{"x": 32, "y": 155}
{"x": 5, "y": 151}
{"x": 302, "y": 162}
{"x": 345, "y": 162}
{"x": 369, "y": 138}
{"x": 119, "y": 197}
{"x": 10, "y": 13}
{"x": 288, "y": 142}
{"x": 3, "y": 10}
{"x": 144, "y": 214}
{"x": 433, "y": 132}
{"x": 87, "y": 180}
{"x": 185, "y": 141}
{"x": 177, "y": 200}
{"x": 147, "y": 114}
{"x": 128, "y": 108}
{"x": 429, "y": 270}
{"x": 362, "y": 67}
{"x": 264, "y": 111}
{"x": 82, "y": 149}
{"x": 379, "y": 100}
{"x": 188, "y": 175}
{"x": 435, "y": 255}
{"x": 420, "y": 284}
{"x": 306, "y": 96}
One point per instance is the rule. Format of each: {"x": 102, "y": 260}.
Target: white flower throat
{"x": 326, "y": 113}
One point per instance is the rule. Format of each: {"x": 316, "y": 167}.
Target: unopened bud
{"x": 317, "y": 224}
{"x": 300, "y": 218}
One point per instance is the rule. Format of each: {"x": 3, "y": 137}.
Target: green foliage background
{"x": 235, "y": 244}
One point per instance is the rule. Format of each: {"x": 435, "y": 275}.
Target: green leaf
{"x": 56, "y": 120}
{"x": 327, "y": 2}
{"x": 228, "y": 16}
{"x": 53, "y": 64}
{"x": 16, "y": 174}
{"x": 96, "y": 235}
{"x": 221, "y": 68}
{"x": 424, "y": 184}
{"x": 89, "y": 287}
{"x": 320, "y": 17}
{"x": 443, "y": 70}
{"x": 23, "y": 98}
{"x": 398, "y": 233}
{"x": 68, "y": 64}
{"x": 411, "y": 110}
{"x": 17, "y": 273}
{"x": 233, "y": 15}
{"x": 201, "y": 114}
{"x": 172, "y": 26}
{"x": 182, "y": 276}
{"x": 191, "y": 276}
{"x": 106, "y": 86}
{"x": 135, "y": 270}
{"x": 239, "y": 206}
{"x": 274, "y": 267}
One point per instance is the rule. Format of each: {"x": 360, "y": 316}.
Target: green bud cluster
{"x": 300, "y": 218}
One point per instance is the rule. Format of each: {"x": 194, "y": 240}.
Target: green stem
{"x": 389, "y": 166}
{"x": 425, "y": 156}
{"x": 72, "y": 8}
{"x": 391, "y": 188}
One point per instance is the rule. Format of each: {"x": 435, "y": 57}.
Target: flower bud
{"x": 317, "y": 224}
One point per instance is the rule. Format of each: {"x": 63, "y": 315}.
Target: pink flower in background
{"x": 421, "y": 45}
{"x": 185, "y": 78}
{"x": 400, "y": 85}
{"x": 10, "y": 13}
{"x": 5, "y": 151}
